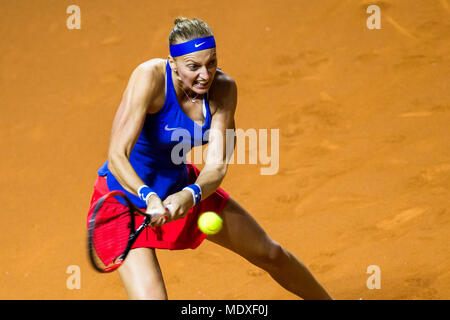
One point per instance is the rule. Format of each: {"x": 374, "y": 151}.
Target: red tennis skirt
{"x": 175, "y": 235}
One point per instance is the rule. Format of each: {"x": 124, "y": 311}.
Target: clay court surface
{"x": 364, "y": 169}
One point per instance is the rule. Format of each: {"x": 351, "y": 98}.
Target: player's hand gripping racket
{"x": 112, "y": 231}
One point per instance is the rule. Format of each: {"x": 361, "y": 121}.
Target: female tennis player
{"x": 186, "y": 93}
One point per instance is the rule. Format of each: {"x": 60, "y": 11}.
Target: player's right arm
{"x": 138, "y": 100}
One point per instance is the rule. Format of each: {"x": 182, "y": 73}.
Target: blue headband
{"x": 192, "y": 46}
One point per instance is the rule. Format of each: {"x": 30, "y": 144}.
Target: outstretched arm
{"x": 126, "y": 127}
{"x": 136, "y": 102}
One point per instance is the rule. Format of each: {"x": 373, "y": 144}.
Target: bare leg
{"x": 141, "y": 275}
{"x": 243, "y": 235}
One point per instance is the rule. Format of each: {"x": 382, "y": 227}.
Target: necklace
{"x": 192, "y": 99}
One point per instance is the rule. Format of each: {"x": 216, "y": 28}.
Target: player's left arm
{"x": 216, "y": 162}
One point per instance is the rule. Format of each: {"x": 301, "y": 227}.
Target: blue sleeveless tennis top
{"x": 159, "y": 155}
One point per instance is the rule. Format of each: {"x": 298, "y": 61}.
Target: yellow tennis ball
{"x": 210, "y": 222}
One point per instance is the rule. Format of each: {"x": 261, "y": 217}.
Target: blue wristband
{"x": 144, "y": 192}
{"x": 196, "y": 192}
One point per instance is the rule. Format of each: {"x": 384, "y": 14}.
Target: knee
{"x": 271, "y": 257}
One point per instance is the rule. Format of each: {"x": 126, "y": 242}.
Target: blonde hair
{"x": 188, "y": 29}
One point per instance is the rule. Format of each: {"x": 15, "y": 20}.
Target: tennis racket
{"x": 112, "y": 231}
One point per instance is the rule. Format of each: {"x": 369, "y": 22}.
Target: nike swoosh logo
{"x": 169, "y": 129}
{"x": 198, "y": 45}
